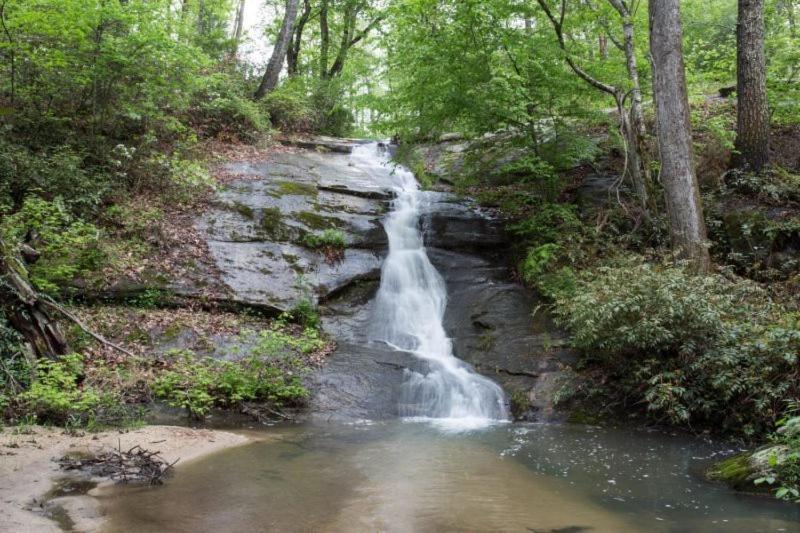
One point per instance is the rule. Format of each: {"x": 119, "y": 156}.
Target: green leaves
{"x": 694, "y": 349}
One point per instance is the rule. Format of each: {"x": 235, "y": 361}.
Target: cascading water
{"x": 409, "y": 312}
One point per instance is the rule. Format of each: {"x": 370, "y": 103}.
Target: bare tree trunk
{"x": 293, "y": 53}
{"x": 325, "y": 40}
{"x": 752, "y": 134}
{"x": 687, "y": 226}
{"x": 638, "y": 128}
{"x": 270, "y": 79}
{"x": 238, "y": 28}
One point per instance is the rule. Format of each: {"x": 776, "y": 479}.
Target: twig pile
{"x": 136, "y": 465}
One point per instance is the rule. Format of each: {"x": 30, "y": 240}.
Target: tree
{"x": 293, "y": 53}
{"x": 682, "y": 193}
{"x": 752, "y": 134}
{"x": 271, "y": 75}
{"x": 632, "y": 125}
{"x": 349, "y": 38}
{"x": 238, "y": 28}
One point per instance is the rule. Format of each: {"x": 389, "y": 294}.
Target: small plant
{"x": 69, "y": 247}
{"x": 197, "y": 385}
{"x": 330, "y": 242}
{"x": 58, "y": 395}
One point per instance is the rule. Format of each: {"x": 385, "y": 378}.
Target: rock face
{"x": 256, "y": 230}
{"x": 255, "y": 234}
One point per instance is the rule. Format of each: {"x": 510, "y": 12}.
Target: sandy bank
{"x": 28, "y": 470}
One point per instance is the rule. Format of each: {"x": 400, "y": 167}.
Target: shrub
{"x": 68, "y": 247}
{"x": 230, "y": 117}
{"x": 330, "y": 238}
{"x": 269, "y": 373}
{"x": 56, "y": 172}
{"x": 197, "y": 385}
{"x": 57, "y": 394}
{"x": 289, "y": 107}
{"x": 695, "y": 350}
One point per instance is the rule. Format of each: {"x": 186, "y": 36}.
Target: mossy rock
{"x": 245, "y": 210}
{"x": 736, "y": 471}
{"x": 272, "y": 226}
{"x": 316, "y": 221}
{"x": 520, "y": 404}
{"x": 286, "y": 187}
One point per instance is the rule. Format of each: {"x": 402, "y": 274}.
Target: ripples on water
{"x": 395, "y": 476}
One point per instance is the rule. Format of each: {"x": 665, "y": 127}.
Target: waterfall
{"x": 409, "y": 312}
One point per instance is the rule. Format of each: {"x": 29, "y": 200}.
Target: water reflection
{"x": 399, "y": 476}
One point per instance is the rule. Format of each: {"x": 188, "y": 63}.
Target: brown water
{"x": 398, "y": 476}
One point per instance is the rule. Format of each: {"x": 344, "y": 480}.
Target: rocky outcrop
{"x": 257, "y": 226}
{"x": 255, "y": 232}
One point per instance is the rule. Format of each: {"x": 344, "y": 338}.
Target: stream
{"x": 406, "y": 436}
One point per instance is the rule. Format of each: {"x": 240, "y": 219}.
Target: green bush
{"x": 694, "y": 350}
{"x": 289, "y": 107}
{"x": 330, "y": 239}
{"x": 57, "y": 395}
{"x": 197, "y": 385}
{"x": 231, "y": 117}
{"x": 269, "y": 373}
{"x": 69, "y": 247}
{"x": 56, "y": 172}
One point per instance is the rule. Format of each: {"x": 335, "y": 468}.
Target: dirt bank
{"x": 28, "y": 470}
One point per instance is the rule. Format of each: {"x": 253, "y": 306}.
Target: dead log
{"x": 24, "y": 308}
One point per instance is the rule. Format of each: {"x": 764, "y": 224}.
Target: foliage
{"x": 783, "y": 472}
{"x": 290, "y": 108}
{"x": 329, "y": 238}
{"x": 695, "y": 350}
{"x": 58, "y": 395}
{"x": 270, "y": 373}
{"x": 68, "y": 247}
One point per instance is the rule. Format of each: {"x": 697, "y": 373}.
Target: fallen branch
{"x": 136, "y": 465}
{"x": 49, "y": 302}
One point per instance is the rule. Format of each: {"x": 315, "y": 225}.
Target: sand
{"x": 28, "y": 469}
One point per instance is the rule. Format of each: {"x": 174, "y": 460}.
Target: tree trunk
{"x": 636, "y": 163}
{"x": 238, "y": 28}
{"x": 752, "y": 134}
{"x": 638, "y": 128}
{"x": 325, "y": 40}
{"x": 270, "y": 79}
{"x": 293, "y": 53}
{"x": 687, "y": 226}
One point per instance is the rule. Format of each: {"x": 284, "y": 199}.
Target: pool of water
{"x": 406, "y": 476}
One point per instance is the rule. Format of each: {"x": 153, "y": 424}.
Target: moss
{"x": 271, "y": 224}
{"x": 138, "y": 335}
{"x": 486, "y": 341}
{"x": 245, "y": 210}
{"x": 735, "y": 471}
{"x": 172, "y": 332}
{"x": 296, "y": 188}
{"x": 316, "y": 221}
{"x": 519, "y": 403}
{"x": 579, "y": 416}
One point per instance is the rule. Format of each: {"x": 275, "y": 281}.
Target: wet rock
{"x": 454, "y": 224}
{"x": 321, "y": 143}
{"x": 491, "y": 323}
{"x": 256, "y": 228}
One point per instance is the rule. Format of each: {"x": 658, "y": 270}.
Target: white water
{"x": 409, "y": 312}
